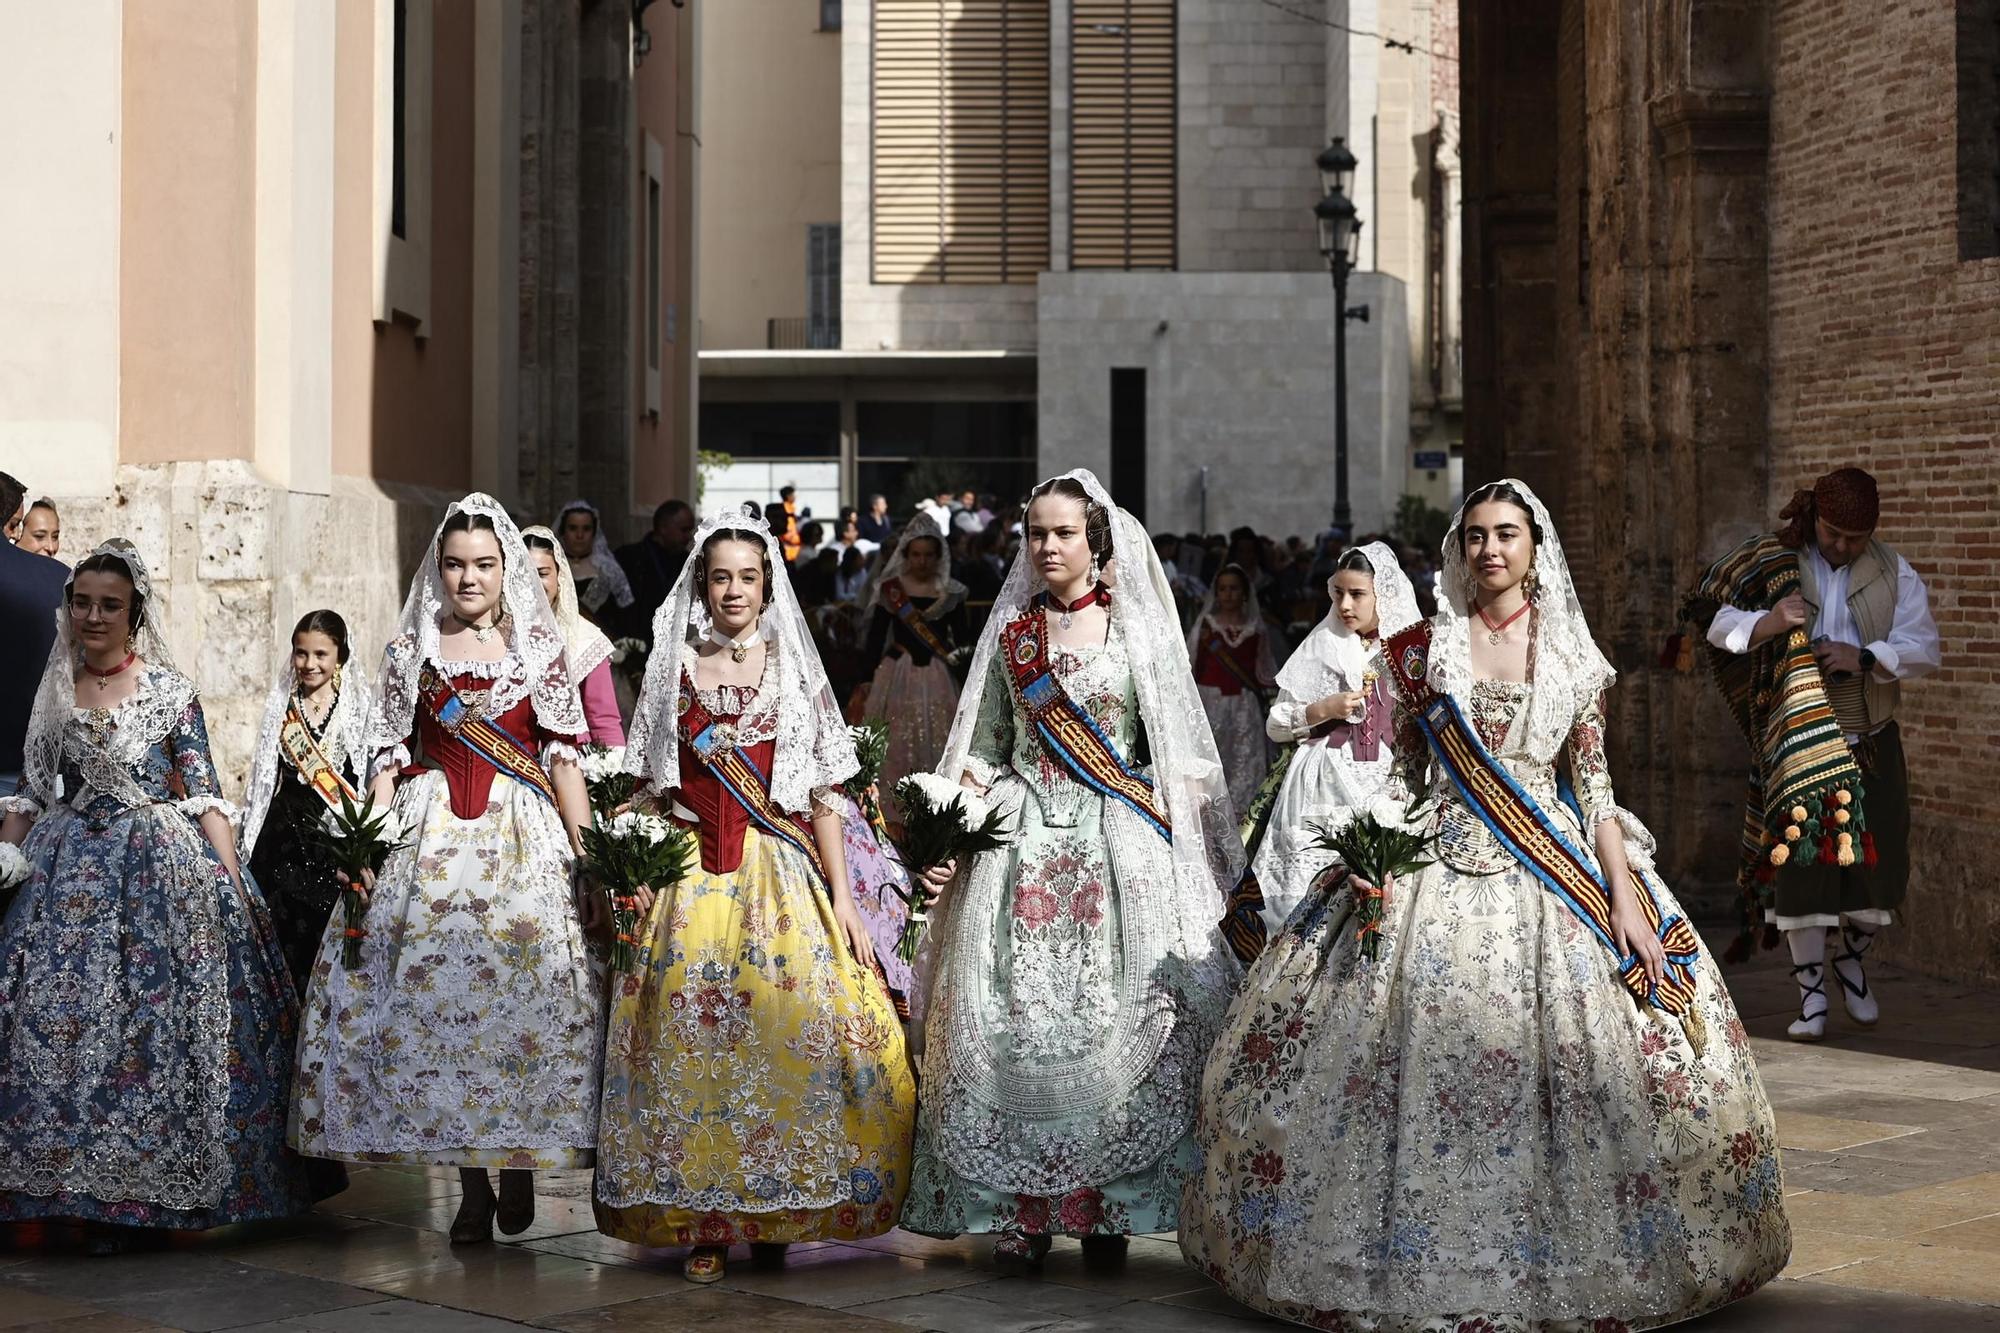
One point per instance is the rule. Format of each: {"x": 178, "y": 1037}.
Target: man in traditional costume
{"x": 1821, "y": 623}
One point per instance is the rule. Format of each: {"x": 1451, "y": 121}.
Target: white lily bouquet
{"x": 627, "y": 850}
{"x": 604, "y": 776}
{"x": 14, "y": 870}
{"x": 942, "y": 821}
{"x": 358, "y": 839}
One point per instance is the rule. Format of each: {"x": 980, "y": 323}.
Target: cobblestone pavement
{"x": 1892, "y": 1168}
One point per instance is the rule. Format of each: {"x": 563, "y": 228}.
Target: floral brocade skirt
{"x": 917, "y": 704}
{"x": 756, "y": 1086}
{"x": 1479, "y": 1129}
{"x": 469, "y": 1036}
{"x": 1237, "y": 720}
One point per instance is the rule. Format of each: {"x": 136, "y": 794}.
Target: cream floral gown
{"x": 1069, "y": 1006}
{"x": 1481, "y": 1129}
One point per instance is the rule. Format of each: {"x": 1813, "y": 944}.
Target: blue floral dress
{"x": 147, "y": 1027}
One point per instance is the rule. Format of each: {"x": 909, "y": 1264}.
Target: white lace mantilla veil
{"x": 814, "y": 749}
{"x": 1333, "y": 657}
{"x": 345, "y": 739}
{"x": 1208, "y": 854}
{"x": 587, "y": 644}
{"x": 540, "y": 669}
{"x": 923, "y": 525}
{"x": 1253, "y": 613}
{"x": 610, "y": 583}
{"x": 55, "y": 700}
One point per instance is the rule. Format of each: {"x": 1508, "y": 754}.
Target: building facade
{"x": 295, "y": 275}
{"x": 1710, "y": 256}
{"x": 1079, "y": 232}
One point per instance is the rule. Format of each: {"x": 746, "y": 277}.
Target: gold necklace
{"x": 481, "y": 632}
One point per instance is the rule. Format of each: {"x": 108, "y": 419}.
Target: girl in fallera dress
{"x": 469, "y": 1035}
{"x": 602, "y": 590}
{"x": 916, "y": 620}
{"x": 1529, "y": 1112}
{"x": 755, "y": 1084}
{"x": 149, "y": 1020}
{"x": 1230, "y": 646}
{"x": 589, "y": 650}
{"x": 1334, "y": 705}
{"x": 312, "y": 750}
{"x": 1073, "y": 979}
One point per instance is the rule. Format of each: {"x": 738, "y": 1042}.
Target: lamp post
{"x": 1339, "y": 237}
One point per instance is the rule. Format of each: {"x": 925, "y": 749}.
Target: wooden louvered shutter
{"x": 960, "y": 149}
{"x": 1122, "y": 113}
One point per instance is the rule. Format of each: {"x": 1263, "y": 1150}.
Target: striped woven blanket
{"x": 1804, "y": 783}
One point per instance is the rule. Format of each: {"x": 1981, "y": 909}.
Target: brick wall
{"x": 1885, "y": 352}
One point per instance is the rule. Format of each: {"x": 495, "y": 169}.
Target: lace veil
{"x": 610, "y": 584}
{"x": 1208, "y": 854}
{"x": 55, "y": 700}
{"x": 587, "y": 644}
{"x": 1253, "y": 618}
{"x": 539, "y": 669}
{"x": 923, "y": 525}
{"x": 814, "y": 749}
{"x": 1333, "y": 657}
{"x": 345, "y": 740}
{"x": 1568, "y": 669}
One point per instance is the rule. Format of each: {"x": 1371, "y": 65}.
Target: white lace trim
{"x": 20, "y": 805}
{"x": 194, "y": 807}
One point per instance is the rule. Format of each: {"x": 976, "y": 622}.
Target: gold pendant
{"x": 1493, "y": 637}
{"x": 739, "y": 651}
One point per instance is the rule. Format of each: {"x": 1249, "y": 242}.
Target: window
{"x": 1128, "y": 439}
{"x": 823, "y": 285}
{"x": 959, "y": 147}
{"x": 910, "y": 451}
{"x": 1122, "y": 113}
{"x": 829, "y": 15}
{"x": 653, "y": 281}
{"x": 1978, "y": 129}
{"x": 399, "y": 123}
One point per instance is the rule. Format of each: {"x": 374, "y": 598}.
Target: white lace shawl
{"x": 814, "y": 749}
{"x": 344, "y": 739}
{"x": 1569, "y": 670}
{"x": 610, "y": 584}
{"x": 541, "y": 660}
{"x": 1252, "y": 622}
{"x": 55, "y": 699}
{"x": 1333, "y": 657}
{"x": 950, "y": 591}
{"x": 587, "y": 644}
{"x": 1208, "y": 854}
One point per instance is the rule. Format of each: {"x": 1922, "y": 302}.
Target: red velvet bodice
{"x": 1212, "y": 672}
{"x": 720, "y": 818}
{"x": 467, "y": 775}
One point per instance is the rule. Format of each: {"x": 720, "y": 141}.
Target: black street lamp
{"x": 1339, "y": 241}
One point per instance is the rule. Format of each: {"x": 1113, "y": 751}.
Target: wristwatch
{"x": 1867, "y": 660}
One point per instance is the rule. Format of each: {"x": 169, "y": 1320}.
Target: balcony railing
{"x": 801, "y": 335}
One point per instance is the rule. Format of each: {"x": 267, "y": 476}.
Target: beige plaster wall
{"x": 770, "y": 86}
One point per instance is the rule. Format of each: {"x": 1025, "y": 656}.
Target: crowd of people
{"x": 1498, "y": 1083}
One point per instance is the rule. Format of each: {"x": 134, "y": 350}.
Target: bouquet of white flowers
{"x": 357, "y": 839}
{"x": 1376, "y": 850}
{"x": 942, "y": 822}
{"x": 14, "y": 870}
{"x": 604, "y": 775}
{"x": 625, "y": 851}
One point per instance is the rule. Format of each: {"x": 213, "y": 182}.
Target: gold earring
{"x": 1534, "y": 584}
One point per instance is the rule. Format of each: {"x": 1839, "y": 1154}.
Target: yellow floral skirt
{"x": 755, "y": 1082}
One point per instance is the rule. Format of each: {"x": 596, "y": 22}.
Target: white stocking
{"x": 1808, "y": 946}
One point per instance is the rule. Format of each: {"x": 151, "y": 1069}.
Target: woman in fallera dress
{"x": 149, "y": 1019}
{"x": 1523, "y": 1115}
{"x": 916, "y": 622}
{"x": 1074, "y": 978}
{"x": 589, "y": 650}
{"x": 1334, "y": 704}
{"x": 755, "y": 1083}
{"x": 312, "y": 750}
{"x": 602, "y": 590}
{"x": 469, "y": 1035}
{"x": 1230, "y": 646}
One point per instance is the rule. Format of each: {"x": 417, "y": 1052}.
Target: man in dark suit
{"x": 31, "y": 589}
{"x": 653, "y": 562}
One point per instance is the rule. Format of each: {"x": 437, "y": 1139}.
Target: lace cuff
{"x": 1287, "y": 721}
{"x": 829, "y": 800}
{"x": 194, "y": 807}
{"x": 20, "y": 805}
{"x": 560, "y": 752}
{"x": 392, "y": 761}
{"x": 1639, "y": 844}
{"x": 983, "y": 772}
